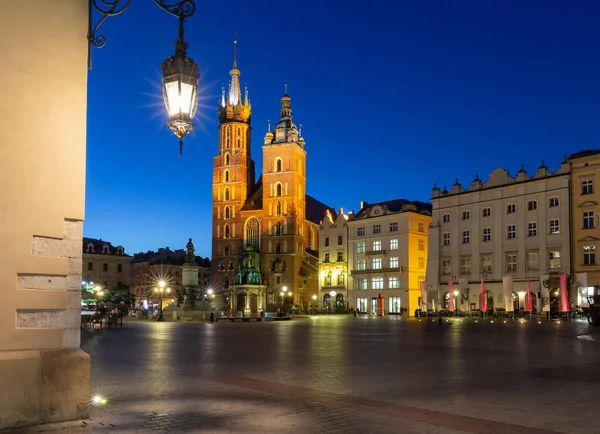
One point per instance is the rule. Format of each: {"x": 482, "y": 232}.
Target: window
{"x": 487, "y": 234}
{"x": 588, "y": 219}
{"x": 340, "y": 240}
{"x": 511, "y": 232}
{"x": 421, "y": 245}
{"x": 393, "y": 282}
{"x": 532, "y": 229}
{"x": 466, "y": 238}
{"x": 340, "y": 256}
{"x": 446, "y": 238}
{"x": 421, "y": 262}
{"x": 278, "y": 228}
{"x": 226, "y": 194}
{"x": 510, "y": 209}
{"x": 554, "y": 259}
{"x": 278, "y": 248}
{"x": 511, "y": 262}
{"x": 394, "y": 227}
{"x": 227, "y": 214}
{"x": 361, "y": 264}
{"x": 361, "y": 304}
{"x": 278, "y": 208}
{"x": 226, "y": 250}
{"x": 466, "y": 215}
{"x": 341, "y": 279}
{"x": 376, "y": 246}
{"x": 105, "y": 267}
{"x": 327, "y": 281}
{"x": 227, "y": 231}
{"x": 589, "y": 255}
{"x": 486, "y": 212}
{"x": 278, "y": 165}
{"x": 394, "y": 262}
{"x": 326, "y": 241}
{"x": 421, "y": 227}
{"x": 486, "y": 263}
{"x": 361, "y": 283}
{"x": 446, "y": 218}
{"x": 326, "y": 257}
{"x": 446, "y": 268}
{"x": 360, "y": 248}
{"x": 377, "y": 282}
{"x": 394, "y": 305}
{"x": 393, "y": 244}
{"x": 376, "y": 229}
{"x": 119, "y": 268}
{"x": 376, "y": 263}
{"x": 553, "y": 202}
{"x": 227, "y": 159}
{"x": 465, "y": 265}
{"x": 278, "y": 189}
{"x": 554, "y": 226}
{"x": 360, "y": 232}
{"x": 226, "y": 176}
{"x": 90, "y": 266}
{"x": 532, "y": 261}
{"x": 532, "y": 205}
{"x": 587, "y": 186}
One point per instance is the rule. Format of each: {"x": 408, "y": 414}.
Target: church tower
{"x": 233, "y": 178}
{"x": 284, "y": 200}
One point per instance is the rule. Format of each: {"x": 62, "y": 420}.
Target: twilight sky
{"x": 392, "y": 96}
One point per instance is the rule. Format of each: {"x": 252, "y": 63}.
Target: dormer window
{"x": 90, "y": 248}
{"x": 105, "y": 249}
{"x": 120, "y": 251}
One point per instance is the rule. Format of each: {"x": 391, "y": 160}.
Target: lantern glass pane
{"x": 173, "y": 98}
{"x": 186, "y": 98}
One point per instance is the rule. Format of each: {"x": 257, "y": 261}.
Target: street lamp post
{"x": 283, "y": 294}
{"x": 314, "y": 297}
{"x": 161, "y": 290}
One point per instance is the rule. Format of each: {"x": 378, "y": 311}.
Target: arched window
{"x": 227, "y": 159}
{"x": 278, "y": 189}
{"x": 253, "y": 233}
{"x": 227, "y": 213}
{"x": 278, "y": 248}
{"x": 278, "y": 165}
{"x": 228, "y": 142}
{"x": 239, "y": 142}
{"x": 226, "y": 176}
{"x": 227, "y": 234}
{"x": 340, "y": 239}
{"x": 278, "y": 209}
{"x": 341, "y": 280}
{"x": 278, "y": 228}
{"x": 226, "y": 194}
{"x": 326, "y": 241}
{"x": 339, "y": 300}
{"x": 327, "y": 279}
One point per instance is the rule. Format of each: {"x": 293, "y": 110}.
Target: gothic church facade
{"x": 265, "y": 231}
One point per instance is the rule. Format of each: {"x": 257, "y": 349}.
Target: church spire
{"x": 235, "y": 93}
{"x": 286, "y": 105}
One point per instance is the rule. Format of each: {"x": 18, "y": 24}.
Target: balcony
{"x": 375, "y": 252}
{"x": 376, "y": 270}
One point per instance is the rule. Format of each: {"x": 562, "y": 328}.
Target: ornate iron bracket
{"x": 109, "y": 8}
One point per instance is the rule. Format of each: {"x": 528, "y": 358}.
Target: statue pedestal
{"x": 189, "y": 275}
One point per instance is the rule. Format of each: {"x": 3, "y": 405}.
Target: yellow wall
{"x": 414, "y": 235}
{"x": 43, "y": 77}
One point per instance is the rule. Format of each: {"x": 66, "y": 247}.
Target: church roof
{"x": 315, "y": 210}
{"x": 254, "y": 201}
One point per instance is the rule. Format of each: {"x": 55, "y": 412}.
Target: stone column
{"x": 44, "y": 375}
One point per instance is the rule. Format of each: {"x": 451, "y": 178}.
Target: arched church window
{"x": 226, "y": 176}
{"x": 239, "y": 137}
{"x": 278, "y": 190}
{"x": 228, "y": 142}
{"x": 278, "y": 165}
{"x": 278, "y": 209}
{"x": 227, "y": 233}
{"x": 253, "y": 233}
{"x": 227, "y": 212}
{"x": 227, "y": 159}
{"x": 239, "y": 142}
{"x": 278, "y": 228}
{"x": 278, "y": 248}
{"x": 226, "y": 194}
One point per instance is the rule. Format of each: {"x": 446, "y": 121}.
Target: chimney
{"x": 362, "y": 204}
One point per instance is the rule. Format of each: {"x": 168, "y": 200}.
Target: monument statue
{"x": 191, "y": 256}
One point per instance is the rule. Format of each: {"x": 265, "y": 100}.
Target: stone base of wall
{"x": 41, "y": 386}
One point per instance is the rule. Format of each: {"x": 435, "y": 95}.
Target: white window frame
{"x": 587, "y": 186}
{"x": 446, "y": 218}
{"x": 554, "y": 226}
{"x": 511, "y": 208}
{"x": 361, "y": 264}
{"x": 465, "y": 265}
{"x": 376, "y": 229}
{"x": 394, "y": 227}
{"x": 589, "y": 254}
{"x": 466, "y": 215}
{"x": 532, "y": 205}
{"x": 393, "y": 282}
{"x": 486, "y": 212}
{"x": 511, "y": 262}
{"x": 377, "y": 246}
{"x": 394, "y": 244}
{"x": 377, "y": 283}
{"x": 446, "y": 239}
{"x": 511, "y": 232}
{"x": 553, "y": 202}
{"x": 533, "y": 261}
{"x": 394, "y": 262}
{"x": 532, "y": 229}
{"x": 487, "y": 234}
{"x": 588, "y": 220}
{"x": 361, "y": 247}
{"x": 466, "y": 237}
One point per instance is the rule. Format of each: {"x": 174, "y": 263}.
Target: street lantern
{"x": 160, "y": 291}
{"x": 180, "y": 87}
{"x": 180, "y": 75}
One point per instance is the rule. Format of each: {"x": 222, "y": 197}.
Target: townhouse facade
{"x": 333, "y": 262}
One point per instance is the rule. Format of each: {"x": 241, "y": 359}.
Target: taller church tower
{"x": 233, "y": 178}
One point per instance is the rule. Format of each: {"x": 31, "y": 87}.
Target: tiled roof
{"x": 585, "y": 153}
{"x": 254, "y": 201}
{"x": 315, "y": 210}
{"x": 397, "y": 205}
{"x": 99, "y": 246}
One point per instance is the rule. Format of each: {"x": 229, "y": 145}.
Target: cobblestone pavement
{"x": 340, "y": 374}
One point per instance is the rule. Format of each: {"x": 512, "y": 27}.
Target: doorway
{"x": 241, "y": 302}
{"x": 253, "y": 303}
